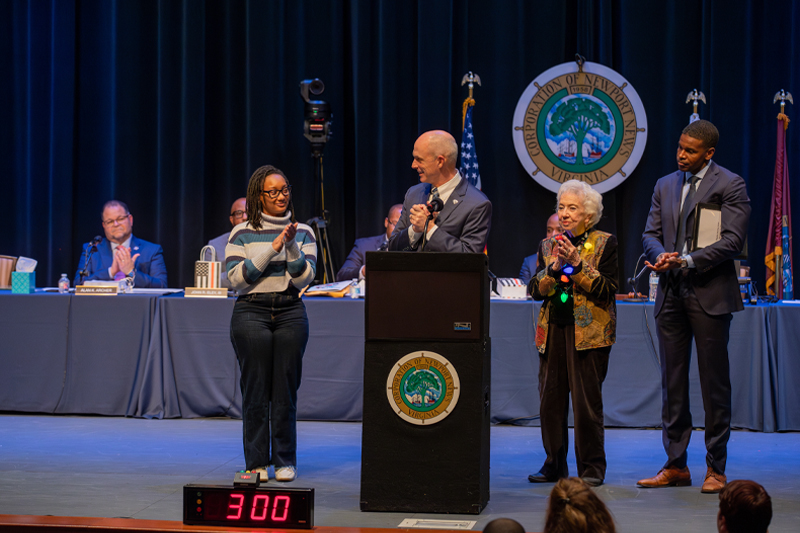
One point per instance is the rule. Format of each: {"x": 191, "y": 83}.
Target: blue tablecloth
{"x": 784, "y": 364}
{"x": 74, "y": 355}
{"x": 167, "y": 357}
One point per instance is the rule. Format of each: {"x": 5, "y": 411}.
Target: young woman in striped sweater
{"x": 269, "y": 259}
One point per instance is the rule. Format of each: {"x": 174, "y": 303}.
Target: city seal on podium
{"x": 581, "y": 121}
{"x": 423, "y": 388}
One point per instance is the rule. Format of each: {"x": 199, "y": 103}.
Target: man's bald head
{"x": 435, "y": 156}
{"x": 238, "y": 211}
{"x": 442, "y": 143}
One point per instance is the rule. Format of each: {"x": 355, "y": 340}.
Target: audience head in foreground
{"x": 503, "y": 525}
{"x": 744, "y": 506}
{"x": 575, "y": 508}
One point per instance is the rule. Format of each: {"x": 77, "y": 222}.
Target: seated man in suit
{"x": 528, "y": 269}
{"x": 463, "y": 223}
{"x": 238, "y": 215}
{"x": 354, "y": 266}
{"x": 121, "y": 254}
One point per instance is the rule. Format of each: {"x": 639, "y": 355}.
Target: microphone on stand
{"x": 632, "y": 281}
{"x": 434, "y": 206}
{"x": 92, "y": 248}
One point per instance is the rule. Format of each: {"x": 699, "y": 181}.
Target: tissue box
{"x": 23, "y": 282}
{"x": 511, "y": 288}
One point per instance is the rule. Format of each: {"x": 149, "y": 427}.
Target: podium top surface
{"x": 427, "y": 296}
{"x": 427, "y": 261}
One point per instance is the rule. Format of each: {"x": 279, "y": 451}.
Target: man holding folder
{"x": 698, "y": 291}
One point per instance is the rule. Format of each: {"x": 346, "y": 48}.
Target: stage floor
{"x": 136, "y": 468}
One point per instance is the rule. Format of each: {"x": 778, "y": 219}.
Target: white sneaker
{"x": 285, "y": 473}
{"x": 263, "y": 473}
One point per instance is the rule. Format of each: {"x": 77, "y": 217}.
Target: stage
{"x": 161, "y": 368}
{"x": 136, "y": 468}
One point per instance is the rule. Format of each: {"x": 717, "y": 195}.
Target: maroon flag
{"x": 778, "y": 272}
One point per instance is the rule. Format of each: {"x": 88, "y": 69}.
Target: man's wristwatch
{"x": 684, "y": 262}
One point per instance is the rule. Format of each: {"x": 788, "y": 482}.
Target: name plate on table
{"x": 97, "y": 290}
{"x": 206, "y": 292}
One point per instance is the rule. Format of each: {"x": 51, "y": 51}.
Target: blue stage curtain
{"x": 170, "y": 106}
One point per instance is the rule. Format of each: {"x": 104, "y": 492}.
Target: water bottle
{"x": 653, "y": 287}
{"x": 354, "y": 289}
{"x": 63, "y": 284}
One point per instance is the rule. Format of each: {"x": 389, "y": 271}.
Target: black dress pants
{"x": 680, "y": 319}
{"x": 563, "y": 369}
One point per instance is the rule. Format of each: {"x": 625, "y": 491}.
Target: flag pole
{"x": 778, "y": 259}
{"x": 471, "y": 79}
{"x": 469, "y": 169}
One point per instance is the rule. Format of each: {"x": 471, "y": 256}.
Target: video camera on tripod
{"x": 317, "y": 129}
{"x": 317, "y": 115}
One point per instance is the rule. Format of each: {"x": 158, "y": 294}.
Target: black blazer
{"x": 714, "y": 277}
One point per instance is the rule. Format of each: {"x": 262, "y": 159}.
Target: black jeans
{"x": 269, "y": 332}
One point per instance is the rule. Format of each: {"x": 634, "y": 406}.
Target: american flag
{"x": 469, "y": 157}
{"x": 206, "y": 274}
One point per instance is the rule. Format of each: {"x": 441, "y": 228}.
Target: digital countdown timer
{"x": 220, "y": 505}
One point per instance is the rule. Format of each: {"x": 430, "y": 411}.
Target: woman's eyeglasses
{"x": 273, "y": 193}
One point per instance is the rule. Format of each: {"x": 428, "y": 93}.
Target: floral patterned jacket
{"x": 594, "y": 292}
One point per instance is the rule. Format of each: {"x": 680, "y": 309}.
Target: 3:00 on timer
{"x": 248, "y": 506}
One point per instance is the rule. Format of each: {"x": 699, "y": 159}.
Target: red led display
{"x": 248, "y": 506}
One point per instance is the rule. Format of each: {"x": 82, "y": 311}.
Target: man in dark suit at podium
{"x": 354, "y": 265}
{"x": 463, "y": 223}
{"x": 697, "y": 293}
{"x": 121, "y": 254}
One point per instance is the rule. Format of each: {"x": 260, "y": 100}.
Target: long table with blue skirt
{"x": 74, "y": 355}
{"x": 170, "y": 356}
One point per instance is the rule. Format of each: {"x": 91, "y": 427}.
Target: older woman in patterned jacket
{"x": 577, "y": 281}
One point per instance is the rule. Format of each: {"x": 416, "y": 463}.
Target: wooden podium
{"x": 425, "y": 440}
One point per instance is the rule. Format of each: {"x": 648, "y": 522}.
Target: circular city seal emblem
{"x": 423, "y": 388}
{"x": 581, "y": 121}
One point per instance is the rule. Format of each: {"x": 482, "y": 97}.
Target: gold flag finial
{"x": 472, "y": 79}
{"x": 783, "y": 96}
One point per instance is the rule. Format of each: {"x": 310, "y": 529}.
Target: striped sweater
{"x": 254, "y": 266}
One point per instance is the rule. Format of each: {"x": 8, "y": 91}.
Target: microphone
{"x": 632, "y": 281}
{"x": 435, "y": 205}
{"x": 636, "y": 277}
{"x": 87, "y": 256}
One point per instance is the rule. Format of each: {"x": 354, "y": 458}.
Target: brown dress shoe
{"x": 714, "y": 482}
{"x": 668, "y": 477}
